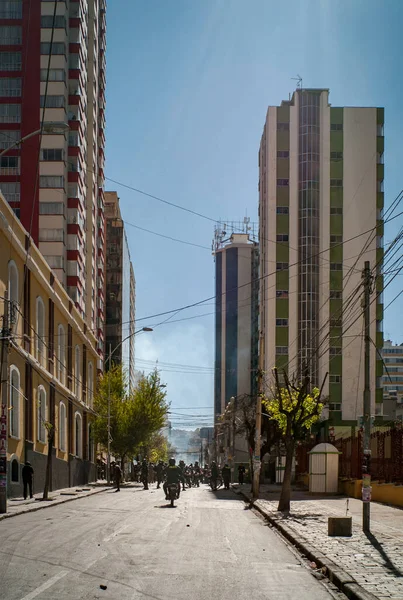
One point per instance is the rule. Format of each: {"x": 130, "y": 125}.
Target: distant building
{"x": 236, "y": 317}
{"x": 392, "y": 381}
{"x": 120, "y": 290}
{"x": 321, "y": 177}
{"x": 236, "y": 337}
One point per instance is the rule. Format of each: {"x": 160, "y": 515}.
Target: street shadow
{"x": 388, "y": 563}
{"x": 166, "y": 506}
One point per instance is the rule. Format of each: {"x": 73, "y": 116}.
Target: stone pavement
{"x": 18, "y": 506}
{"x": 374, "y": 561}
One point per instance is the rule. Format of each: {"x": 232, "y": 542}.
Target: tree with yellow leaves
{"x": 295, "y": 407}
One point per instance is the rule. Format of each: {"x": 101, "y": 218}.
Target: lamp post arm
{"x": 26, "y": 137}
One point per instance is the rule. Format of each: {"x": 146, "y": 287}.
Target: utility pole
{"x": 256, "y": 458}
{"x": 108, "y": 458}
{"x": 5, "y": 344}
{"x": 366, "y": 471}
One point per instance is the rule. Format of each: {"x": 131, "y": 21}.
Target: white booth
{"x": 324, "y": 469}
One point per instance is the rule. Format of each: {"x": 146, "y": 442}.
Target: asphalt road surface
{"x": 209, "y": 546}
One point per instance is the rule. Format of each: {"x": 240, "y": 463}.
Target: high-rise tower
{"x": 320, "y": 217}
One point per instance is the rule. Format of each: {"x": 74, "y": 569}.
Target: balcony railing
{"x": 9, "y": 171}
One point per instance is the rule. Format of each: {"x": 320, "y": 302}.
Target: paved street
{"x": 132, "y": 542}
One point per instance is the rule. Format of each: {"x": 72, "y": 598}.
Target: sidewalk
{"x": 363, "y": 567}
{"x": 19, "y": 506}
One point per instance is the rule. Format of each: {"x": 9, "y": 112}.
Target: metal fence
{"x": 386, "y": 455}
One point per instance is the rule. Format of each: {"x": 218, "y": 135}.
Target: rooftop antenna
{"x": 298, "y": 79}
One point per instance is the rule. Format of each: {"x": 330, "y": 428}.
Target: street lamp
{"x": 48, "y": 128}
{"x": 108, "y": 361}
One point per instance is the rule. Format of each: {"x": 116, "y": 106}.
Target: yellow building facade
{"x": 51, "y": 367}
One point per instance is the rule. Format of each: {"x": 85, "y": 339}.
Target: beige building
{"x": 320, "y": 217}
{"x": 52, "y": 366}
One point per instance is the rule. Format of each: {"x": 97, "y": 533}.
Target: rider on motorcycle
{"x": 173, "y": 475}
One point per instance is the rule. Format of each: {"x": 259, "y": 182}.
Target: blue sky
{"x": 188, "y": 85}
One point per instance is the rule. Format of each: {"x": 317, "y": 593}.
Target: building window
{"x": 42, "y": 415}
{"x": 13, "y": 282}
{"x": 62, "y": 427}
{"x": 335, "y": 295}
{"x": 282, "y": 237}
{"x": 40, "y": 331}
{"x": 283, "y": 182}
{"x": 51, "y": 235}
{"x": 336, "y": 240}
{"x": 77, "y": 371}
{"x": 61, "y": 354}
{"x": 10, "y": 35}
{"x": 281, "y": 293}
{"x": 336, "y": 156}
{"x": 11, "y": 9}
{"x": 53, "y": 102}
{"x": 51, "y": 181}
{"x": 9, "y": 138}
{"x": 336, "y": 127}
{"x": 10, "y": 87}
{"x": 283, "y": 127}
{"x": 281, "y": 322}
{"x": 281, "y": 266}
{"x": 334, "y": 378}
{"x": 10, "y": 113}
{"x": 54, "y": 75}
{"x": 59, "y": 22}
{"x": 90, "y": 384}
{"x": 54, "y": 262}
{"x": 282, "y": 350}
{"x": 73, "y": 139}
{"x": 282, "y": 210}
{"x": 336, "y": 322}
{"x": 334, "y": 351}
{"x": 336, "y": 210}
{"x": 51, "y": 208}
{"x": 336, "y": 266}
{"x": 14, "y": 392}
{"x": 9, "y": 165}
{"x": 10, "y": 61}
{"x": 283, "y": 154}
{"x": 78, "y": 435}
{"x": 57, "y": 48}
{"x": 336, "y": 183}
{"x": 52, "y": 154}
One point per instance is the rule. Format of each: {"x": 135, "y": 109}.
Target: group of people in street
{"x": 183, "y": 475}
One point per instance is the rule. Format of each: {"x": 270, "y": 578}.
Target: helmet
{"x": 171, "y": 462}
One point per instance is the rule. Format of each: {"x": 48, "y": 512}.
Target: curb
{"x": 341, "y": 579}
{"x": 44, "y": 505}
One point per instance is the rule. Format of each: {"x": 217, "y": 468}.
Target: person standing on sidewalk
{"x": 144, "y": 474}
{"x": 226, "y": 475}
{"x": 241, "y": 474}
{"x": 117, "y": 475}
{"x": 27, "y": 477}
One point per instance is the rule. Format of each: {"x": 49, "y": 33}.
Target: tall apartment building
{"x": 236, "y": 318}
{"x": 392, "y": 381}
{"x": 320, "y": 189}
{"x": 52, "y": 69}
{"x": 120, "y": 290}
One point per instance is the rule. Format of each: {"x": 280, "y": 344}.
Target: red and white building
{"x": 55, "y": 182}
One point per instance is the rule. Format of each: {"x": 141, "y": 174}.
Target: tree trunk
{"x": 48, "y": 465}
{"x": 285, "y": 497}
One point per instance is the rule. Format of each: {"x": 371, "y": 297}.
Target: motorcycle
{"x": 173, "y": 493}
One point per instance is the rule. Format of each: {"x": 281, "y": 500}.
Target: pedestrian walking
{"x": 27, "y": 478}
{"x": 160, "y": 469}
{"x": 226, "y": 475}
{"x": 144, "y": 474}
{"x": 117, "y": 476}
